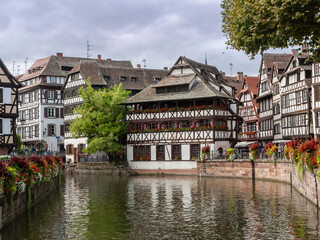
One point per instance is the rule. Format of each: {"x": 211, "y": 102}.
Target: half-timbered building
{"x": 40, "y": 122}
{"x": 8, "y": 109}
{"x": 316, "y": 99}
{"x": 249, "y": 110}
{"x": 102, "y": 74}
{"x": 170, "y": 121}
{"x": 295, "y": 92}
{"x": 277, "y": 71}
{"x": 265, "y": 98}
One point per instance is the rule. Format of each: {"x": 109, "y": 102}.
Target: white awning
{"x": 243, "y": 144}
{"x": 281, "y": 141}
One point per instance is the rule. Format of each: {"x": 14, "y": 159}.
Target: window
{"x": 157, "y": 80}
{"x": 50, "y": 94}
{"x": 36, "y": 95}
{"x": 133, "y": 79}
{"x": 316, "y": 69}
{"x": 305, "y": 97}
{"x": 68, "y": 110}
{"x": 1, "y": 95}
{"x": 136, "y": 126}
{"x": 294, "y": 64}
{"x": 287, "y": 101}
{"x": 66, "y": 127}
{"x": 30, "y": 97}
{"x": 106, "y": 78}
{"x": 30, "y": 114}
{"x": 176, "y": 152}
{"x": 67, "y": 95}
{"x": 36, "y": 113}
{"x": 61, "y": 130}
{"x": 69, "y": 149}
{"x": 185, "y": 124}
{"x": 303, "y": 120}
{"x": 51, "y": 112}
{"x": 51, "y": 130}
{"x": 23, "y": 98}
{"x": 81, "y": 147}
{"x": 308, "y": 74}
{"x": 24, "y": 115}
{"x": 160, "y": 153}
{"x": 167, "y": 125}
{"x": 30, "y": 132}
{"x": 280, "y": 71}
{"x": 318, "y": 119}
{"x": 152, "y": 126}
{"x": 122, "y": 79}
{"x": 195, "y": 151}
{"x": 23, "y": 133}
{"x": 36, "y": 130}
{"x": 141, "y": 153}
{"x": 53, "y": 79}
{"x": 298, "y": 98}
{"x": 75, "y": 93}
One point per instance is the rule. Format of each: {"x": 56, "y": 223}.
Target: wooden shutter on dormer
{"x": 45, "y": 112}
{"x": 57, "y": 112}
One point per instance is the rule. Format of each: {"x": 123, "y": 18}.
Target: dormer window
{"x": 122, "y": 79}
{"x": 53, "y": 79}
{"x": 294, "y": 64}
{"x": 172, "y": 89}
{"x": 106, "y": 78}
{"x": 269, "y": 70}
{"x": 280, "y": 71}
{"x": 157, "y": 80}
{"x": 133, "y": 79}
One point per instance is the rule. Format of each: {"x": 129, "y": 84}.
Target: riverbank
{"x": 10, "y": 209}
{"x": 108, "y": 168}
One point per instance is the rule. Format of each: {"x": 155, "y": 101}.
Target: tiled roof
{"x": 176, "y": 80}
{"x": 97, "y": 71}
{"x": 270, "y": 58}
{"x": 252, "y": 83}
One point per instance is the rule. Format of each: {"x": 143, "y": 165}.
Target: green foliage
{"x": 18, "y": 141}
{"x": 257, "y": 25}
{"x": 102, "y": 118}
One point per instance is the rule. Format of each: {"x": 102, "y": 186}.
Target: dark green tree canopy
{"x": 257, "y": 25}
{"x": 102, "y": 118}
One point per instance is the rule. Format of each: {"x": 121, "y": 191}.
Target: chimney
{"x": 239, "y": 77}
{"x": 294, "y": 52}
{"x": 165, "y": 68}
{"x": 59, "y": 54}
{"x": 99, "y": 58}
{"x": 139, "y": 66}
{"x": 305, "y": 50}
{"x": 109, "y": 59}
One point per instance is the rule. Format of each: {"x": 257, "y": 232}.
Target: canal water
{"x": 167, "y": 207}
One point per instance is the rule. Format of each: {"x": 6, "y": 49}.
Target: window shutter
{"x": 316, "y": 93}
{"x": 48, "y": 130}
{"x": 57, "y": 112}
{"x": 61, "y": 130}
{"x": 45, "y": 112}
{"x": 61, "y": 112}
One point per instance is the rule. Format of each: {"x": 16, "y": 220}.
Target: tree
{"x": 257, "y": 25}
{"x": 102, "y": 118}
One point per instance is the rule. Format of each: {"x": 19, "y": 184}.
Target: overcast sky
{"x": 156, "y": 30}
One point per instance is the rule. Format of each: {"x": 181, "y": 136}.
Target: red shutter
{"x": 57, "y": 112}
{"x": 45, "y": 112}
{"x": 61, "y": 112}
{"x": 61, "y": 130}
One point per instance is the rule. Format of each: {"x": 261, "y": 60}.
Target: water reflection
{"x": 170, "y": 207}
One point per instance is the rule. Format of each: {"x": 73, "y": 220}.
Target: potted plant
{"x": 254, "y": 148}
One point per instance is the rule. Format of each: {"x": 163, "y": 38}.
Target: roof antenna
{"x": 26, "y": 63}
{"x": 144, "y": 66}
{"x": 13, "y": 63}
{"x": 88, "y": 49}
{"x": 205, "y": 59}
{"x": 231, "y": 65}
{"x": 18, "y": 69}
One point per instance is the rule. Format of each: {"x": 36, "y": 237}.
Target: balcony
{"x": 171, "y": 113}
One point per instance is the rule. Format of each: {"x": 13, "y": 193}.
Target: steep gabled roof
{"x": 205, "y": 86}
{"x": 6, "y": 77}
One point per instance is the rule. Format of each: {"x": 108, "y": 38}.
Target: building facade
{"x": 102, "y": 74}
{"x": 295, "y": 92}
{"x": 169, "y": 122}
{"x": 8, "y": 109}
{"x": 315, "y": 88}
{"x": 265, "y": 94}
{"x": 40, "y": 123}
{"x": 249, "y": 110}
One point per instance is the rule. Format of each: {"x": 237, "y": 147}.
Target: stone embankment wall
{"x": 98, "y": 168}
{"x": 307, "y": 184}
{"x": 20, "y": 202}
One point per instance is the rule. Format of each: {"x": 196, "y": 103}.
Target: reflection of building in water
{"x": 76, "y": 209}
